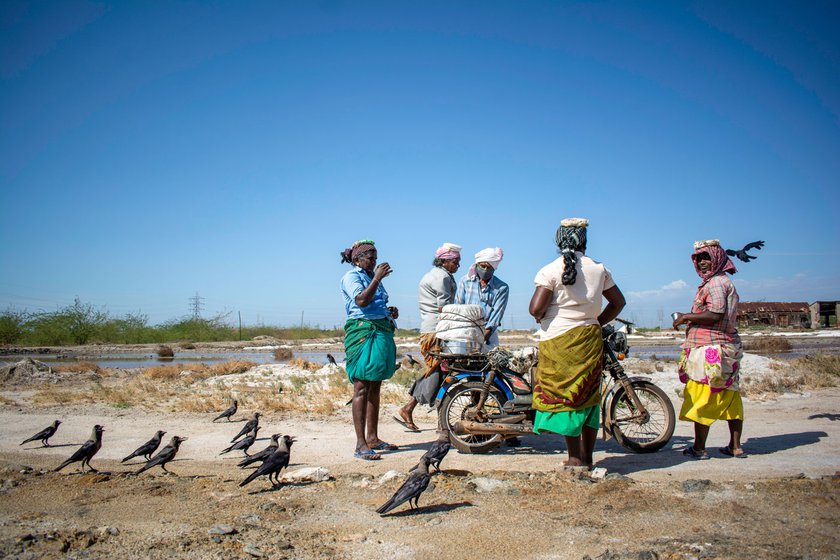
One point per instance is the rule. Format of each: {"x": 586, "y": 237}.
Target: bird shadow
{"x": 51, "y": 445}
{"x": 828, "y": 415}
{"x": 436, "y": 508}
{"x": 278, "y": 487}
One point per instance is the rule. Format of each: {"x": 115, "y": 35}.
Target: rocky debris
{"x": 222, "y": 530}
{"x": 253, "y": 550}
{"x": 389, "y": 476}
{"x": 307, "y": 474}
{"x": 485, "y": 484}
{"x": 696, "y": 485}
{"x": 28, "y": 372}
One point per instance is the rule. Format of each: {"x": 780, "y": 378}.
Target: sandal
{"x": 694, "y": 454}
{"x": 729, "y": 453}
{"x": 408, "y": 424}
{"x": 384, "y": 446}
{"x": 368, "y": 455}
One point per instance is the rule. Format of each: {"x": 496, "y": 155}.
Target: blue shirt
{"x": 492, "y": 299}
{"x": 352, "y": 284}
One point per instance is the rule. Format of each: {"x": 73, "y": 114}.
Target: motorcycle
{"x": 483, "y": 401}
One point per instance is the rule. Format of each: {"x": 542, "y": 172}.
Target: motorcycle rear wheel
{"x": 454, "y": 406}
{"x": 646, "y": 436}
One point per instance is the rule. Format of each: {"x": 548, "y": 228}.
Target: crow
{"x": 331, "y": 359}
{"x": 412, "y": 361}
{"x": 264, "y": 454}
{"x": 437, "y": 452}
{"x": 45, "y": 434}
{"x": 411, "y": 489}
{"x": 147, "y": 448}
{"x": 742, "y": 254}
{"x": 86, "y": 452}
{"x": 244, "y": 443}
{"x": 166, "y": 454}
{"x": 274, "y": 464}
{"x": 228, "y": 412}
{"x": 248, "y": 427}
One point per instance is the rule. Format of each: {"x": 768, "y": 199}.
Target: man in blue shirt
{"x": 481, "y": 287}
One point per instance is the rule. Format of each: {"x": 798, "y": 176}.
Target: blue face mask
{"x": 484, "y": 274}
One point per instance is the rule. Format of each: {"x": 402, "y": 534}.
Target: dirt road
{"x": 781, "y": 502}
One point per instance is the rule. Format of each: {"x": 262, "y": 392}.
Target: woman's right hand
{"x": 381, "y": 271}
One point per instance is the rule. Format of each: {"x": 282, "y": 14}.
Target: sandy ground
{"x": 781, "y": 502}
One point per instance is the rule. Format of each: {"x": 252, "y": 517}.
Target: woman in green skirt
{"x": 368, "y": 342}
{"x": 567, "y": 305}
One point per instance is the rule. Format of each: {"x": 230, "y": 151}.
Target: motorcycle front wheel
{"x": 454, "y": 407}
{"x": 634, "y": 432}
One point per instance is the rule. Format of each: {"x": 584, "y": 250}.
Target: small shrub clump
{"x": 282, "y": 353}
{"x": 770, "y": 344}
{"x": 165, "y": 351}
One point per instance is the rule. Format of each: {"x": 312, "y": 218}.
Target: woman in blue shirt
{"x": 368, "y": 342}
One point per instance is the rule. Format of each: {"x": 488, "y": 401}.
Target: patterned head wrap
{"x": 359, "y": 248}
{"x": 448, "y": 252}
{"x": 492, "y": 255}
{"x": 720, "y": 260}
{"x": 571, "y": 237}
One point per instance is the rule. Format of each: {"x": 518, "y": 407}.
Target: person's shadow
{"x": 779, "y": 442}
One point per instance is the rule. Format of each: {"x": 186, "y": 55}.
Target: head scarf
{"x": 492, "y": 255}
{"x": 571, "y": 237}
{"x": 720, "y": 260}
{"x": 448, "y": 252}
{"x": 359, "y": 248}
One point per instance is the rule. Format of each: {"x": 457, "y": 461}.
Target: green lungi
{"x": 371, "y": 352}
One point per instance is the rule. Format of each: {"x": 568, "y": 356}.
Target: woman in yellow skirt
{"x": 712, "y": 353}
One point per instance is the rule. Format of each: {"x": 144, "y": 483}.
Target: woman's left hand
{"x": 395, "y": 313}
{"x": 679, "y": 320}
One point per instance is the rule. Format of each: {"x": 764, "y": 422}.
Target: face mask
{"x": 484, "y": 274}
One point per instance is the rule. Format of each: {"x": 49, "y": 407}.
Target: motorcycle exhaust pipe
{"x": 465, "y": 427}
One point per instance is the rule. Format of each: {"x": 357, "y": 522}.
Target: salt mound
{"x": 28, "y": 372}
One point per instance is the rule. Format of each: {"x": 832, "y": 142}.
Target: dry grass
{"x": 186, "y": 346}
{"x": 303, "y": 364}
{"x": 812, "y": 371}
{"x": 176, "y": 388}
{"x": 769, "y": 344}
{"x": 193, "y": 372}
{"x": 165, "y": 351}
{"x": 281, "y": 354}
{"x": 79, "y": 367}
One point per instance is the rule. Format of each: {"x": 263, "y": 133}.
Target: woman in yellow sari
{"x": 712, "y": 353}
{"x": 567, "y": 304}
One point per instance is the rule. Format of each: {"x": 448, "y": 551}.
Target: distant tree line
{"x": 84, "y": 323}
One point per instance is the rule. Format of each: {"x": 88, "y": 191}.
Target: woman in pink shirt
{"x": 712, "y": 353}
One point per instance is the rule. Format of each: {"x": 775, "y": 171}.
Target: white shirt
{"x": 576, "y": 305}
{"x": 437, "y": 288}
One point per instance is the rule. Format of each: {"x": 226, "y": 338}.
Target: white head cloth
{"x": 492, "y": 255}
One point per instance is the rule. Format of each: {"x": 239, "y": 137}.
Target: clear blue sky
{"x": 150, "y": 151}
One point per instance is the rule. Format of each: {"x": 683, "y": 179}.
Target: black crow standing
{"x": 437, "y": 452}
{"x": 230, "y": 411}
{"x": 264, "y": 454}
{"x": 411, "y": 489}
{"x": 412, "y": 361}
{"x": 742, "y": 254}
{"x": 86, "y": 452}
{"x": 147, "y": 448}
{"x": 244, "y": 443}
{"x": 248, "y": 427}
{"x": 45, "y": 434}
{"x": 331, "y": 359}
{"x": 166, "y": 454}
{"x": 273, "y": 465}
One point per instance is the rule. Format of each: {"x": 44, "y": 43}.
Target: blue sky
{"x": 150, "y": 151}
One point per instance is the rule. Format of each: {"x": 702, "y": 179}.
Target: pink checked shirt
{"x": 719, "y": 296}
